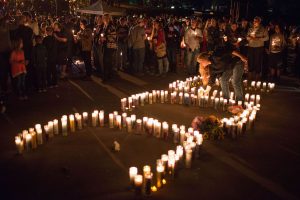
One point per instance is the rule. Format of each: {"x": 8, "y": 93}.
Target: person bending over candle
{"x": 223, "y": 63}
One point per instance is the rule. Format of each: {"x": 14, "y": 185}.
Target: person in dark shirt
{"x": 39, "y": 62}
{"x": 173, "y": 40}
{"x": 110, "y": 44}
{"x": 122, "y": 33}
{"x": 62, "y": 48}
{"x": 51, "y": 45}
{"x": 224, "y": 63}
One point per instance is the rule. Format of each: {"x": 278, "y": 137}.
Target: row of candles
{"x": 201, "y": 99}
{"x": 33, "y": 137}
{"x": 167, "y": 165}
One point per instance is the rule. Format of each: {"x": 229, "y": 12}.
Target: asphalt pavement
{"x": 262, "y": 164}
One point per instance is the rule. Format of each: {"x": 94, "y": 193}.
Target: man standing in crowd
{"x": 109, "y": 39}
{"x": 137, "y": 40}
{"x": 97, "y": 45}
{"x": 122, "y": 33}
{"x": 192, "y": 39}
{"x": 256, "y": 37}
{"x": 62, "y": 48}
{"x": 173, "y": 39}
{"x": 85, "y": 37}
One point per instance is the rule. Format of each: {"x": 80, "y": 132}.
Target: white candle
{"x": 257, "y": 99}
{"x": 79, "y": 121}
{"x": 72, "y": 123}
{"x": 132, "y": 173}
{"x": 138, "y": 126}
{"x": 119, "y": 122}
{"x": 111, "y": 120}
{"x": 146, "y": 170}
{"x": 180, "y": 98}
{"x": 165, "y": 132}
{"x": 129, "y": 124}
{"x": 19, "y": 144}
{"x": 138, "y": 183}
{"x": 28, "y": 141}
{"x": 64, "y": 125}
{"x": 159, "y": 175}
{"x": 188, "y": 157}
{"x": 101, "y": 118}
{"x": 157, "y": 129}
{"x": 150, "y": 98}
{"x": 94, "y": 119}
{"x": 166, "y": 96}
{"x": 123, "y": 104}
{"x": 55, "y": 127}
{"x": 39, "y": 136}
{"x": 85, "y": 118}
{"x": 182, "y": 136}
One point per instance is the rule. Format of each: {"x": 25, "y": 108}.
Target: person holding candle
{"x": 85, "y": 37}
{"x": 192, "y": 39}
{"x": 256, "y": 37}
{"x": 276, "y": 47}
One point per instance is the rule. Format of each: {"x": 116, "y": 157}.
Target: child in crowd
{"x": 18, "y": 68}
{"x": 39, "y": 61}
{"x": 51, "y": 45}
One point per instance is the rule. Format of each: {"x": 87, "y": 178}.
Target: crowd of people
{"x": 37, "y": 51}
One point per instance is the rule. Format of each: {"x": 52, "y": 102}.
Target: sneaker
{"x": 40, "y": 90}
{"x": 44, "y": 90}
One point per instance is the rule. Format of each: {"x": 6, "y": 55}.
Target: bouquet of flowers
{"x": 210, "y": 127}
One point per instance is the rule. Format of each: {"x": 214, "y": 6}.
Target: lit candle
{"x": 180, "y": 98}
{"x": 119, "y": 121}
{"x": 124, "y": 115}
{"x": 165, "y": 128}
{"x": 50, "y": 126}
{"x": 85, "y": 118}
{"x": 157, "y": 129}
{"x": 138, "y": 183}
{"x": 78, "y": 121}
{"x": 33, "y": 139}
{"x": 146, "y": 170}
{"x": 150, "y": 98}
{"x": 247, "y": 97}
{"x": 111, "y": 120}
{"x": 46, "y": 129}
{"x": 28, "y": 141}
{"x": 166, "y": 96}
{"x": 148, "y": 183}
{"x": 64, "y": 126}
{"x": 19, "y": 144}
{"x": 216, "y": 103}
{"x": 101, "y": 118}
{"x": 186, "y": 99}
{"x": 150, "y": 124}
{"x": 94, "y": 119}
{"x": 138, "y": 126}
{"x": 159, "y": 175}
{"x": 39, "y": 135}
{"x": 72, "y": 123}
{"x": 179, "y": 151}
{"x": 257, "y": 99}
{"x": 176, "y": 135}
{"x": 133, "y": 119}
{"x": 55, "y": 127}
{"x": 154, "y": 96}
{"x": 145, "y": 120}
{"x": 129, "y": 124}
{"x": 123, "y": 104}
{"x": 162, "y": 96}
{"x": 188, "y": 157}
{"x": 182, "y": 136}
{"x": 132, "y": 173}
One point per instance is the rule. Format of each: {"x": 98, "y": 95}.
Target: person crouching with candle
{"x": 224, "y": 65}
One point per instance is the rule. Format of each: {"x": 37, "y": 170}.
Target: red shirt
{"x": 17, "y": 61}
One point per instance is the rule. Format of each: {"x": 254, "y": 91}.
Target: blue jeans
{"x": 138, "y": 60}
{"x": 237, "y": 74}
{"x": 191, "y": 61}
{"x": 172, "y": 58}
